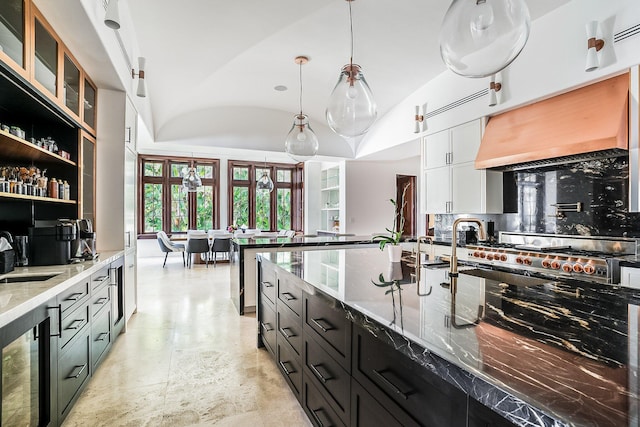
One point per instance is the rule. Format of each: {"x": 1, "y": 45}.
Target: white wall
{"x": 369, "y": 186}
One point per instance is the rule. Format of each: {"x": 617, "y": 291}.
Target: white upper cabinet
{"x": 450, "y": 181}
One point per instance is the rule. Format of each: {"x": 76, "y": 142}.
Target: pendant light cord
{"x": 300, "y": 63}
{"x": 351, "y": 32}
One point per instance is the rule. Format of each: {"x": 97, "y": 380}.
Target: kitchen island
{"x": 243, "y": 260}
{"x": 549, "y": 354}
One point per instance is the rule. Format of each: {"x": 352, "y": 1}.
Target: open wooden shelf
{"x": 16, "y": 148}
{"x": 36, "y": 198}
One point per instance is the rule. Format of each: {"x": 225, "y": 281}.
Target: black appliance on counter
{"x": 51, "y": 241}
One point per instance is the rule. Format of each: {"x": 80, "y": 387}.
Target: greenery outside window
{"x": 166, "y": 206}
{"x": 279, "y": 210}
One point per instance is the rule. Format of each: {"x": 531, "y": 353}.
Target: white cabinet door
{"x": 437, "y": 148}
{"x": 465, "y": 142}
{"x": 130, "y": 283}
{"x": 437, "y": 190}
{"x": 130, "y": 174}
{"x": 466, "y": 189}
{"x": 630, "y": 276}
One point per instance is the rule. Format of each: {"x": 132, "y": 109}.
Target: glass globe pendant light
{"x": 479, "y": 38}
{"x": 352, "y": 109}
{"x": 265, "y": 183}
{"x": 301, "y": 142}
{"x": 191, "y": 182}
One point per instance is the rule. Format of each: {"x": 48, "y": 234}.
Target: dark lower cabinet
{"x": 366, "y": 411}
{"x": 73, "y": 371}
{"x": 267, "y": 325}
{"x": 317, "y": 408}
{"x": 387, "y": 373}
{"x": 482, "y": 416}
{"x": 290, "y": 366}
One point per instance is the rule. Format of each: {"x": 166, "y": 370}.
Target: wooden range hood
{"x": 585, "y": 123}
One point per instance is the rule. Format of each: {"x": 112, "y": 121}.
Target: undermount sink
{"x": 26, "y": 278}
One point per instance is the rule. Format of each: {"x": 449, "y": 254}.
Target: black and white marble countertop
{"x": 542, "y": 353}
{"x": 277, "y": 242}
{"x": 19, "y": 298}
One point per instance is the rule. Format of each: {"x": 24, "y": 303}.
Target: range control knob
{"x": 555, "y": 264}
{"x": 519, "y": 260}
{"x": 483, "y": 255}
{"x": 589, "y": 268}
{"x": 546, "y": 263}
{"x": 567, "y": 267}
{"x": 578, "y": 267}
{"x": 489, "y": 257}
{"x": 527, "y": 261}
{"x": 503, "y": 257}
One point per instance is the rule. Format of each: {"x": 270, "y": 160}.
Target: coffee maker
{"x": 50, "y": 242}
{"x": 84, "y": 246}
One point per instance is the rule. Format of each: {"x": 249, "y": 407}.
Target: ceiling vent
{"x": 625, "y": 34}
{"x": 457, "y": 103}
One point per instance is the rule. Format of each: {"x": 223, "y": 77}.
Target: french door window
{"x": 165, "y": 203}
{"x": 280, "y": 209}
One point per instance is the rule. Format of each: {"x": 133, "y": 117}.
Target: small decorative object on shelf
{"x": 395, "y": 233}
{"x": 232, "y": 228}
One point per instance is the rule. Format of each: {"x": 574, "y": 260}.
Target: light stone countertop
{"x": 17, "y": 299}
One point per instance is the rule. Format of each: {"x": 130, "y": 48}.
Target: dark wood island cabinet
{"x": 369, "y": 349}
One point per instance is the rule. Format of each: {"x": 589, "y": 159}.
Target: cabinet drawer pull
{"x": 74, "y": 297}
{"x": 391, "y": 385}
{"x": 102, "y": 336}
{"x": 316, "y": 418}
{"x": 76, "y": 324}
{"x": 100, "y": 278}
{"x": 267, "y": 327}
{"x": 267, "y": 284}
{"x": 288, "y": 296}
{"x": 286, "y": 334}
{"x": 79, "y": 369}
{"x": 326, "y": 327}
{"x": 316, "y": 372}
{"x": 101, "y": 301}
{"x": 287, "y": 371}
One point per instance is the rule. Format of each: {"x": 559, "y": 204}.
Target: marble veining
{"x": 545, "y": 353}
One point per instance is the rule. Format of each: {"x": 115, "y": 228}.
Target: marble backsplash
{"x": 600, "y": 186}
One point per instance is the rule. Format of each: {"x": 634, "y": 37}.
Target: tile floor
{"x": 187, "y": 359}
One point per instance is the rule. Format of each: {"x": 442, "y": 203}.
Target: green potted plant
{"x": 392, "y": 241}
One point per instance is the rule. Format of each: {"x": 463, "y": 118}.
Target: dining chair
{"x": 220, "y": 244}
{"x": 197, "y": 243}
{"x": 166, "y": 246}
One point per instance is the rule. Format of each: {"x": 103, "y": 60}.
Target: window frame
{"x": 295, "y": 186}
{"x": 167, "y": 181}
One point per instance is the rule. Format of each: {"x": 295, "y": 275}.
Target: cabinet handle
{"x": 317, "y": 418}
{"x": 101, "y": 301}
{"x": 59, "y": 308}
{"x": 288, "y": 296}
{"x": 102, "y": 336}
{"x": 286, "y": 334}
{"x": 74, "y": 297}
{"x": 267, "y": 284}
{"x": 316, "y": 372}
{"x": 79, "y": 369}
{"x": 76, "y": 324}
{"x": 100, "y": 278}
{"x": 267, "y": 327}
{"x": 286, "y": 371}
{"x": 391, "y": 385}
{"x": 326, "y": 327}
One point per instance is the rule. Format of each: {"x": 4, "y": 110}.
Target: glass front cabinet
{"x": 48, "y": 123}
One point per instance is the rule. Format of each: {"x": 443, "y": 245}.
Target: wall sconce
{"x": 421, "y": 121}
{"x": 142, "y": 86}
{"x": 593, "y": 46}
{"x": 112, "y": 17}
{"x": 493, "y": 89}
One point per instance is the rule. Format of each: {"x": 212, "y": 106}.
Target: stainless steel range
{"x": 585, "y": 258}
